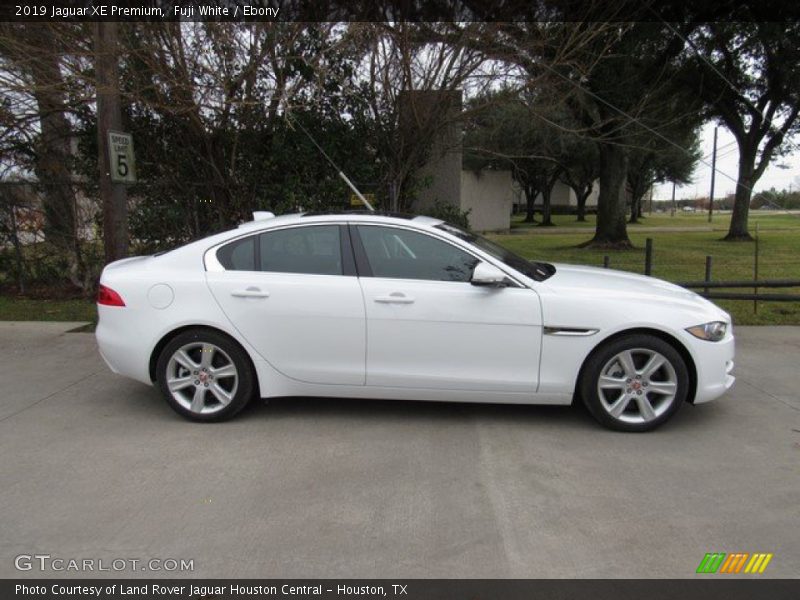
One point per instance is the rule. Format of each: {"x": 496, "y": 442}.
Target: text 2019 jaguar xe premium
{"x": 378, "y": 306}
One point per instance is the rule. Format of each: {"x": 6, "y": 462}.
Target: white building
{"x": 489, "y": 195}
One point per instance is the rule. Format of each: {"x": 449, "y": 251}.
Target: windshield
{"x": 538, "y": 271}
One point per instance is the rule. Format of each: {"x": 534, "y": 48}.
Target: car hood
{"x": 605, "y": 283}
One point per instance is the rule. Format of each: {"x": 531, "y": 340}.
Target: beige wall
{"x": 489, "y": 195}
{"x": 562, "y": 195}
{"x": 435, "y": 116}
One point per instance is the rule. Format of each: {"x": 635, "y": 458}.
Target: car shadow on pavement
{"x": 148, "y": 404}
{"x": 352, "y": 409}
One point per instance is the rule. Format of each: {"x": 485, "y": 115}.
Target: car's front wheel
{"x": 204, "y": 375}
{"x": 635, "y": 383}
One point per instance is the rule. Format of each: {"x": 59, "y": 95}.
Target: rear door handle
{"x": 251, "y": 292}
{"x": 395, "y": 298}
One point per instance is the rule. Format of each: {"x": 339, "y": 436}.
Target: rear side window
{"x": 402, "y": 254}
{"x": 313, "y": 250}
{"x": 239, "y": 255}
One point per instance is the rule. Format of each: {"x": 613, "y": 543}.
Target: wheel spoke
{"x": 199, "y": 400}
{"x": 178, "y": 383}
{"x": 207, "y": 355}
{"x": 654, "y": 364}
{"x": 220, "y": 394}
{"x": 666, "y": 388}
{"x": 225, "y": 371}
{"x": 612, "y": 383}
{"x": 626, "y": 362}
{"x": 619, "y": 406}
{"x": 645, "y": 408}
{"x": 184, "y": 360}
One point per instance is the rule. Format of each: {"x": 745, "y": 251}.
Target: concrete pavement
{"x": 96, "y": 466}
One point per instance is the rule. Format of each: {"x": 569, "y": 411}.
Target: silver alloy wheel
{"x": 202, "y": 377}
{"x": 637, "y": 385}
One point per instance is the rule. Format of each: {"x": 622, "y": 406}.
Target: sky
{"x": 727, "y": 167}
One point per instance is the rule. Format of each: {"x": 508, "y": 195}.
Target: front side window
{"x": 314, "y": 250}
{"x": 536, "y": 270}
{"x": 402, "y": 254}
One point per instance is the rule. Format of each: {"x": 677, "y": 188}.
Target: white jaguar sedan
{"x": 393, "y": 307}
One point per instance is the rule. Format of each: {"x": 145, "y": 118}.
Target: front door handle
{"x": 395, "y": 298}
{"x": 251, "y": 292}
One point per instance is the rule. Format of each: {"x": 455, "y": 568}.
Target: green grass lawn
{"x": 681, "y": 257}
{"x": 719, "y": 222}
{"x": 34, "y": 309}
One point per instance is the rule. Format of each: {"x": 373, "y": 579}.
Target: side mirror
{"x": 487, "y": 275}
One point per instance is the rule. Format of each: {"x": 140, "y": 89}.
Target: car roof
{"x": 338, "y": 217}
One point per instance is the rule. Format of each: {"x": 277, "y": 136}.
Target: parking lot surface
{"x": 97, "y": 466}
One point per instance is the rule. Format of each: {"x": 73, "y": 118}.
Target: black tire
{"x": 239, "y": 387}
{"x": 662, "y": 406}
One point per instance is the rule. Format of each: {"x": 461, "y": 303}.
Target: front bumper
{"x": 714, "y": 364}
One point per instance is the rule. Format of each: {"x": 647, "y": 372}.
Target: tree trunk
{"x": 17, "y": 248}
{"x": 109, "y": 117}
{"x": 530, "y": 200}
{"x": 745, "y": 180}
{"x": 53, "y": 156}
{"x": 547, "y": 212}
{"x": 611, "y": 231}
{"x": 581, "y": 198}
{"x": 635, "y": 212}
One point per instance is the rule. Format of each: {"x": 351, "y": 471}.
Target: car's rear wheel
{"x": 204, "y": 375}
{"x": 635, "y": 383}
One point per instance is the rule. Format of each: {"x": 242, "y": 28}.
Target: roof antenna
{"x": 330, "y": 160}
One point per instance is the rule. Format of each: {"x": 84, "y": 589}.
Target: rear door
{"x": 429, "y": 327}
{"x": 293, "y": 295}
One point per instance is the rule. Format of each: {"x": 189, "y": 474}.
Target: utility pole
{"x": 673, "y": 199}
{"x": 713, "y": 174}
{"x": 114, "y": 196}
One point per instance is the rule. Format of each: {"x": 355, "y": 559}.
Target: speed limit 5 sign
{"x": 120, "y": 157}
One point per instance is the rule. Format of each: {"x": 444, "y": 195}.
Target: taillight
{"x": 108, "y": 297}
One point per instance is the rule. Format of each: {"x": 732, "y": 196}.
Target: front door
{"x": 429, "y": 327}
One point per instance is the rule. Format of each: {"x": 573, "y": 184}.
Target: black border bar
{"x": 43, "y": 11}
{"x": 710, "y": 587}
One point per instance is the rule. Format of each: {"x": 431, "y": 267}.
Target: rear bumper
{"x": 117, "y": 335}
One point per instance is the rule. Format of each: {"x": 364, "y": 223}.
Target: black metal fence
{"x": 708, "y": 287}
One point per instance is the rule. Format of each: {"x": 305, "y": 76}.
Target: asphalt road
{"x": 96, "y": 466}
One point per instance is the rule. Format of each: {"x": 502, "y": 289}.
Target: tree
{"x": 581, "y": 162}
{"x": 611, "y": 74}
{"x": 410, "y": 82}
{"x": 624, "y": 92}
{"x": 505, "y": 133}
{"x": 746, "y": 69}
{"x": 217, "y": 107}
{"x": 671, "y": 156}
{"x": 39, "y": 134}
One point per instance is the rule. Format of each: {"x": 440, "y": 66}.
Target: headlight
{"x": 713, "y": 332}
